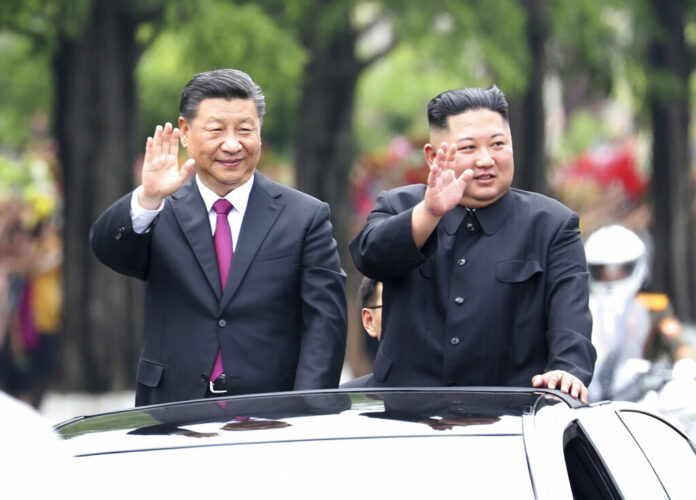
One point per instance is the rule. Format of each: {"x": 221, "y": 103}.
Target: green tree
{"x": 334, "y": 33}
{"x": 26, "y": 87}
{"x": 670, "y": 66}
{"x": 93, "y": 50}
{"x": 222, "y": 34}
{"x": 647, "y": 44}
{"x": 527, "y": 116}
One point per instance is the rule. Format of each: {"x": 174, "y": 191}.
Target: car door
{"x": 617, "y": 448}
{"x": 671, "y": 454}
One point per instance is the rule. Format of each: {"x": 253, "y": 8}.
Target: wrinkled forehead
{"x": 221, "y": 109}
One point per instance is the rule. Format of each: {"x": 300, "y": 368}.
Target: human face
{"x": 484, "y": 144}
{"x": 225, "y": 140}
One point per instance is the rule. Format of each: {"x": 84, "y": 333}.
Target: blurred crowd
{"x": 31, "y": 257}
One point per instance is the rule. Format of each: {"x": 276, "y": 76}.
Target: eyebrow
{"x": 217, "y": 119}
{"x": 497, "y": 134}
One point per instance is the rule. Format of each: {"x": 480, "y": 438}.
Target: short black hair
{"x": 368, "y": 292}
{"x": 454, "y": 102}
{"x": 226, "y": 83}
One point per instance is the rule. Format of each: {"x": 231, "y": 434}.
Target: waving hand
{"x": 443, "y": 192}
{"x": 162, "y": 175}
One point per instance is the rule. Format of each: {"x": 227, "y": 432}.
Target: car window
{"x": 624, "y": 459}
{"x": 670, "y": 453}
{"x": 588, "y": 475}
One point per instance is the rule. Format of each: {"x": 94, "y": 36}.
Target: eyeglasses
{"x": 373, "y": 307}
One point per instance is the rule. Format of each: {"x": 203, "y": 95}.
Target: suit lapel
{"x": 262, "y": 211}
{"x": 190, "y": 212}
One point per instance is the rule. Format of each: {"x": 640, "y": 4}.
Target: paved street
{"x": 58, "y": 407}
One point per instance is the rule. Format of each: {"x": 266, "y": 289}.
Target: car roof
{"x": 477, "y": 410}
{"x": 341, "y": 443}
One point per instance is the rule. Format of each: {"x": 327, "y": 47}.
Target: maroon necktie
{"x": 224, "y": 251}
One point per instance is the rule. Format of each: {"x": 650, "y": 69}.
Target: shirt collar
{"x": 239, "y": 196}
{"x": 493, "y": 216}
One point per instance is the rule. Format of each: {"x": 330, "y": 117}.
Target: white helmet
{"x": 617, "y": 261}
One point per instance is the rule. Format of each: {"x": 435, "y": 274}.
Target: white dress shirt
{"x": 239, "y": 197}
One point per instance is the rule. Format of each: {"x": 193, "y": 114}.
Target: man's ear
{"x": 184, "y": 129}
{"x": 429, "y": 152}
{"x": 368, "y": 321}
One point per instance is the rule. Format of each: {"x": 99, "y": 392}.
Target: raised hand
{"x": 445, "y": 189}
{"x": 443, "y": 192}
{"x": 162, "y": 175}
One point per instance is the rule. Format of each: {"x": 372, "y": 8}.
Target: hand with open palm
{"x": 445, "y": 189}
{"x": 443, "y": 192}
{"x": 161, "y": 174}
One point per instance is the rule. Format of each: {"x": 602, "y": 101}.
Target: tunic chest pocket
{"x": 516, "y": 271}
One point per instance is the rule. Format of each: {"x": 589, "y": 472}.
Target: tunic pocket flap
{"x": 516, "y": 271}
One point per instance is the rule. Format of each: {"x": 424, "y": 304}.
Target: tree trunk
{"x": 324, "y": 148}
{"x": 324, "y": 151}
{"x": 527, "y": 116}
{"x": 674, "y": 264}
{"x": 95, "y": 119}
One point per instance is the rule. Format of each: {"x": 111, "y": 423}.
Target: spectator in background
{"x": 46, "y": 299}
{"x": 370, "y": 294}
{"x": 30, "y": 302}
{"x": 17, "y": 335}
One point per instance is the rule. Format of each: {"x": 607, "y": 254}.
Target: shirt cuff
{"x": 141, "y": 218}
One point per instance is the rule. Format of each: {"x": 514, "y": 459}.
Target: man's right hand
{"x": 445, "y": 189}
{"x": 443, "y": 192}
{"x": 161, "y": 174}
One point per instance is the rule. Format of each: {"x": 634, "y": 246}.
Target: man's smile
{"x": 229, "y": 162}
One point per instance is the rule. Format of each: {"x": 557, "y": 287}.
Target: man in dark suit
{"x": 483, "y": 284}
{"x": 277, "y": 320}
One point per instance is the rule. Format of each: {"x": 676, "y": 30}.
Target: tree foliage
{"x": 221, "y": 34}
{"x": 26, "y": 84}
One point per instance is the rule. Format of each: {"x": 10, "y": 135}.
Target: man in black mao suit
{"x": 483, "y": 284}
{"x": 279, "y": 321}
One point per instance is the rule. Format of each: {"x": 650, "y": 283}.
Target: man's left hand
{"x": 564, "y": 381}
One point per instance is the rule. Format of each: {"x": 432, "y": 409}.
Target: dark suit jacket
{"x": 281, "y": 322}
{"x": 493, "y": 298}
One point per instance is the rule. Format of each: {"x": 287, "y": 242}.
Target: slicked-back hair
{"x": 225, "y": 83}
{"x": 368, "y": 292}
{"x": 454, "y": 102}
